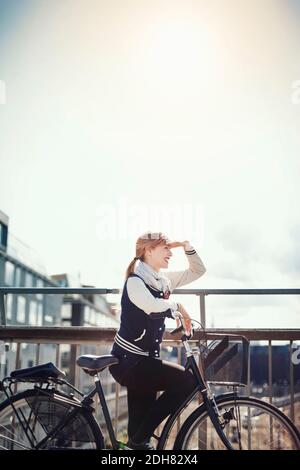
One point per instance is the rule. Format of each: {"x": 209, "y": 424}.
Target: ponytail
{"x": 130, "y": 268}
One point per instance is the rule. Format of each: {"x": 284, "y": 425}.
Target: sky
{"x": 182, "y": 116}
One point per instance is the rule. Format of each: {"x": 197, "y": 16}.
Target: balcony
{"x": 78, "y": 338}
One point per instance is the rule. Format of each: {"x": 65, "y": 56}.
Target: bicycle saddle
{"x": 38, "y": 373}
{"x": 94, "y": 364}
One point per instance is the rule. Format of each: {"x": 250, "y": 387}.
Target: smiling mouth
{"x": 167, "y": 259}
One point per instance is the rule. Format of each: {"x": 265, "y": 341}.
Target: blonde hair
{"x": 147, "y": 240}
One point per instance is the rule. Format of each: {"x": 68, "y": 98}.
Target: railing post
{"x": 57, "y": 355}
{"x": 2, "y": 310}
{"x": 37, "y": 353}
{"x": 270, "y": 371}
{"x": 202, "y": 310}
{"x": 202, "y": 431}
{"x": 292, "y": 391}
{"x": 2, "y": 356}
{"x": 74, "y": 372}
{"x": 249, "y": 393}
{"x": 179, "y": 357}
{"x": 17, "y": 364}
{"x": 117, "y": 401}
{"x": 270, "y": 374}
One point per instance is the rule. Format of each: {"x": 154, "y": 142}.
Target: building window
{"x": 21, "y": 309}
{"x": 9, "y": 273}
{"x": 18, "y": 277}
{"x": 92, "y": 316}
{"x": 40, "y": 314}
{"x": 66, "y": 312}
{"x": 39, "y": 283}
{"x": 101, "y": 320}
{"x": 87, "y": 318}
{"x": 48, "y": 319}
{"x": 9, "y": 306}
{"x": 3, "y": 235}
{"x": 32, "y": 313}
{"x": 28, "y": 279}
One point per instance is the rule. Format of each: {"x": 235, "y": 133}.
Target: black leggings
{"x": 143, "y": 381}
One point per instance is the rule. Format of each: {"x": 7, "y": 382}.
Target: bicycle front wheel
{"x": 34, "y": 415}
{"x": 248, "y": 423}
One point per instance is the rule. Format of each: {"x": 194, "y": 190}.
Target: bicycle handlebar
{"x": 182, "y": 326}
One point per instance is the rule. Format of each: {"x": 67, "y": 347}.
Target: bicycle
{"x": 44, "y": 417}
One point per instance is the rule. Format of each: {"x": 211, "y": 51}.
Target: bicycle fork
{"x": 227, "y": 416}
{"x": 215, "y": 416}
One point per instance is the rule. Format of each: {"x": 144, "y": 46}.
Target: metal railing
{"x": 79, "y": 336}
{"x": 201, "y": 293}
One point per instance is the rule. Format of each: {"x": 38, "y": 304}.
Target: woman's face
{"x": 159, "y": 256}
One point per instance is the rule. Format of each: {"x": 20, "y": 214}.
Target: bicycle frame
{"x": 202, "y": 388}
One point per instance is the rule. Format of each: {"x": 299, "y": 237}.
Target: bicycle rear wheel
{"x": 39, "y": 412}
{"x": 249, "y": 424}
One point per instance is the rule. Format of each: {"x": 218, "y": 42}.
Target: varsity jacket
{"x": 141, "y": 330}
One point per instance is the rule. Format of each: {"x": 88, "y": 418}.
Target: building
{"x": 21, "y": 267}
{"x": 85, "y": 310}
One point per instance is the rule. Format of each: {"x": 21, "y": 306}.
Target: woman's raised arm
{"x": 195, "y": 270}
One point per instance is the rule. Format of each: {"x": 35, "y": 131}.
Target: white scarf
{"x": 151, "y": 277}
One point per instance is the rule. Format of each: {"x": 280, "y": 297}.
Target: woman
{"x": 145, "y": 304}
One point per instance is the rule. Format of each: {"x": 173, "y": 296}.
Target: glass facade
{"x": 28, "y": 280}
{"x": 3, "y": 236}
{"x": 32, "y": 313}
{"x": 28, "y": 309}
{"x": 18, "y": 273}
{"x": 40, "y": 315}
{"x": 9, "y": 307}
{"x": 39, "y": 283}
{"x": 21, "y": 309}
{"x": 66, "y": 312}
{"x": 48, "y": 319}
{"x": 9, "y": 273}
